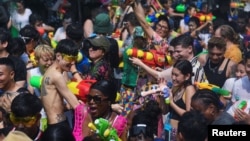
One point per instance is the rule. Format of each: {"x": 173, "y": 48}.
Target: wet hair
{"x": 16, "y": 47}
{"x": 185, "y": 67}
{"x": 217, "y": 42}
{"x": 107, "y": 87}
{"x": 67, "y": 46}
{"x": 208, "y": 97}
{"x": 26, "y": 104}
{"x": 57, "y": 133}
{"x": 193, "y": 126}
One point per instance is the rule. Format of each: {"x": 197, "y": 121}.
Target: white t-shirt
{"x": 60, "y": 34}
{"x": 20, "y": 20}
{"x": 241, "y": 89}
{"x": 229, "y": 83}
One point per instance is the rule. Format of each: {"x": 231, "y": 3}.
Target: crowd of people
{"x": 131, "y": 70}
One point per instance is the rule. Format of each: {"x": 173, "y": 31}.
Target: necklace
{"x": 210, "y": 68}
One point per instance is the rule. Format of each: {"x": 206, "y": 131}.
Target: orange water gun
{"x": 237, "y": 4}
{"x": 205, "y": 17}
{"x": 212, "y": 87}
{"x": 151, "y": 57}
{"x": 33, "y": 59}
{"x": 80, "y": 89}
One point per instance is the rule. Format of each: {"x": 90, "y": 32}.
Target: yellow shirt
{"x": 234, "y": 53}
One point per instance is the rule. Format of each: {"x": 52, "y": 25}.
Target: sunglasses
{"x": 26, "y": 121}
{"x": 96, "y": 99}
{"x": 69, "y": 58}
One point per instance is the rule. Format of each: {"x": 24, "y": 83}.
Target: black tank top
{"x": 213, "y": 75}
{"x": 180, "y": 103}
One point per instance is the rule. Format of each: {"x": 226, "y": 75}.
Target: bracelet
{"x": 73, "y": 73}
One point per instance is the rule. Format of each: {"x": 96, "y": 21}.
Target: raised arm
{"x": 139, "y": 12}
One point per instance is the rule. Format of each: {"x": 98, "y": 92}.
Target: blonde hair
{"x": 42, "y": 49}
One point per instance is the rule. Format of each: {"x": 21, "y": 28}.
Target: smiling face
{"x": 216, "y": 55}
{"x": 6, "y": 76}
{"x": 65, "y": 61}
{"x": 240, "y": 71}
{"x": 162, "y": 29}
{"x": 178, "y": 78}
{"x": 99, "y": 105}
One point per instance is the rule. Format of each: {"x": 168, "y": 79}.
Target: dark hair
{"x": 163, "y": 18}
{"x": 208, "y": 97}
{"x": 8, "y": 62}
{"x": 185, "y": 67}
{"x": 247, "y": 56}
{"x": 67, "y": 46}
{"x": 26, "y": 104}
{"x": 193, "y": 126}
{"x": 29, "y": 32}
{"x": 107, "y": 87}
{"x": 184, "y": 40}
{"x": 74, "y": 31}
{"x": 5, "y": 35}
{"x": 34, "y": 17}
{"x": 131, "y": 18}
{"x": 16, "y": 47}
{"x": 195, "y": 20}
{"x": 217, "y": 42}
{"x": 141, "y": 119}
{"x": 57, "y": 133}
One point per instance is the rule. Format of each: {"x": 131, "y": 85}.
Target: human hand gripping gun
{"x": 151, "y": 58}
{"x": 212, "y": 87}
{"x": 80, "y": 89}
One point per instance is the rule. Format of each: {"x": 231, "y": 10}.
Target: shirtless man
{"x": 54, "y": 85}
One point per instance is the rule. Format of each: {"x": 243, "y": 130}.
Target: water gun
{"x": 116, "y": 34}
{"x": 181, "y": 8}
{"x": 212, "y": 87}
{"x": 104, "y": 130}
{"x": 82, "y": 63}
{"x": 152, "y": 58}
{"x": 80, "y": 89}
{"x": 52, "y": 41}
{"x": 155, "y": 89}
{"x": 237, "y": 4}
{"x": 152, "y": 18}
{"x": 242, "y": 105}
{"x": 33, "y": 59}
{"x": 205, "y": 17}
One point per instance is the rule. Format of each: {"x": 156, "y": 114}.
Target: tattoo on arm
{"x": 60, "y": 117}
{"x": 43, "y": 89}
